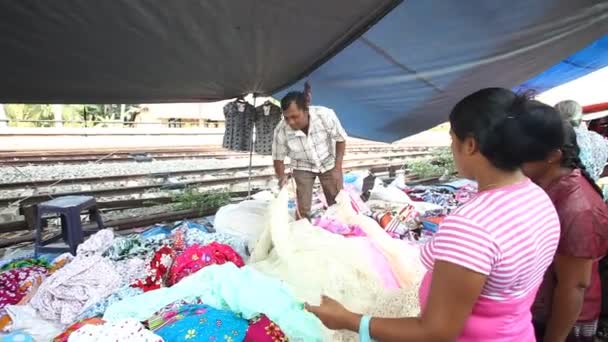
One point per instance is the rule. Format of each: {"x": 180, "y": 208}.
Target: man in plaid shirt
{"x": 314, "y": 140}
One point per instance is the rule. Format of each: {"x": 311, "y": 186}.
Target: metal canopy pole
{"x": 255, "y": 96}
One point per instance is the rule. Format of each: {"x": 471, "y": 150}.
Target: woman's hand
{"x": 333, "y": 315}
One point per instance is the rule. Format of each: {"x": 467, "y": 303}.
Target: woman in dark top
{"x": 568, "y": 303}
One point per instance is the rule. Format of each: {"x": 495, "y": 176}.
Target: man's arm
{"x": 279, "y": 170}
{"x": 279, "y": 153}
{"x": 340, "y": 148}
{"x": 573, "y": 278}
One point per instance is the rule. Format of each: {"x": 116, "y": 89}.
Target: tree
{"x": 27, "y": 115}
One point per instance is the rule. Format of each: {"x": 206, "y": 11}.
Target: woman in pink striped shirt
{"x": 487, "y": 260}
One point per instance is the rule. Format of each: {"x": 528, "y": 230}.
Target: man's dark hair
{"x": 296, "y": 97}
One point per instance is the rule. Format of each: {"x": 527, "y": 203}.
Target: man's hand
{"x": 283, "y": 180}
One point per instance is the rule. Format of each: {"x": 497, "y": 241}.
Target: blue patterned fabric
{"x": 99, "y": 308}
{"x": 199, "y": 322}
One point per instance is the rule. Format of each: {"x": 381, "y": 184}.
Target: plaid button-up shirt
{"x": 315, "y": 152}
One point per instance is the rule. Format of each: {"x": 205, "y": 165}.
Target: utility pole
{"x": 57, "y": 114}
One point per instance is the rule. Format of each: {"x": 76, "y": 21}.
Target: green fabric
{"x": 25, "y": 263}
{"x": 133, "y": 246}
{"x": 244, "y": 291}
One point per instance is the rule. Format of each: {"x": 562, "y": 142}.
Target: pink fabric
{"x": 12, "y": 282}
{"x": 492, "y": 320}
{"x": 262, "y": 329}
{"x": 337, "y": 227}
{"x": 381, "y": 265}
{"x": 196, "y": 257}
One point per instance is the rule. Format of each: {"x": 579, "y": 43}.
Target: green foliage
{"x": 26, "y": 112}
{"x": 192, "y": 198}
{"x": 435, "y": 166}
{"x": 73, "y": 115}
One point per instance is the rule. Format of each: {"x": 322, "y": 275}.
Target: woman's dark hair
{"x": 570, "y": 156}
{"x": 295, "y": 96}
{"x": 509, "y": 129}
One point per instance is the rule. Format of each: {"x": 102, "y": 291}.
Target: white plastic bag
{"x": 389, "y": 194}
{"x": 246, "y": 219}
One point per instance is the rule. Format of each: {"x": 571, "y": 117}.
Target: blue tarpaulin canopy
{"x": 589, "y": 59}
{"x": 404, "y": 74}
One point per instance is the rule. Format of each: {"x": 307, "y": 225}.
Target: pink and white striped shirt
{"x": 509, "y": 234}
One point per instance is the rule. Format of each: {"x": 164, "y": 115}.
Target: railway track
{"x": 201, "y": 172}
{"x": 80, "y": 156}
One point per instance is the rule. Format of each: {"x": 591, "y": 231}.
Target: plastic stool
{"x": 69, "y": 209}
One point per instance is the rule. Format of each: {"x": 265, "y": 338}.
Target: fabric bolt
{"x": 402, "y": 256}
{"x": 83, "y": 282}
{"x": 593, "y": 151}
{"x": 195, "y": 236}
{"x": 358, "y": 204}
{"x": 200, "y": 322}
{"x": 197, "y": 257}
{"x": 126, "y": 330}
{"x": 312, "y": 262}
{"x": 17, "y": 336}
{"x": 63, "y": 337}
{"x": 130, "y": 270}
{"x": 337, "y": 227}
{"x": 403, "y": 220}
{"x": 239, "y": 122}
{"x": 14, "y": 284}
{"x": 134, "y": 246}
{"x": 267, "y": 118}
{"x": 26, "y": 319}
{"x": 157, "y": 270}
{"x": 245, "y": 219}
{"x": 584, "y": 234}
{"x": 222, "y": 287}
{"x": 167, "y": 313}
{"x": 314, "y": 152}
{"x": 262, "y": 329}
{"x": 511, "y": 227}
{"x": 465, "y": 193}
{"x": 97, "y": 309}
{"x": 25, "y": 263}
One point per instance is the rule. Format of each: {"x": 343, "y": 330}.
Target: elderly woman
{"x": 487, "y": 260}
{"x": 594, "y": 147}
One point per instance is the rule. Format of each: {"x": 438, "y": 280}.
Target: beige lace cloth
{"x": 313, "y": 261}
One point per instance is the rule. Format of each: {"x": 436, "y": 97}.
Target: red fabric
{"x": 196, "y": 257}
{"x": 584, "y": 233}
{"x": 156, "y": 270}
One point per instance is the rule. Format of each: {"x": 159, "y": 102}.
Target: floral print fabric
{"x": 126, "y": 330}
{"x": 63, "y": 337}
{"x": 200, "y": 322}
{"x": 24, "y": 263}
{"x": 156, "y": 270}
{"x": 196, "y": 257}
{"x": 99, "y": 308}
{"x": 14, "y": 284}
{"x": 262, "y": 329}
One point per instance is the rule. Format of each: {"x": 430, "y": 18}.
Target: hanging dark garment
{"x": 268, "y": 117}
{"x": 239, "y": 116}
